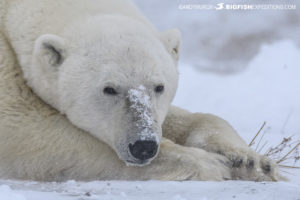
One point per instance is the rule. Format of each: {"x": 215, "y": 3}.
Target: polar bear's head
{"x": 113, "y": 77}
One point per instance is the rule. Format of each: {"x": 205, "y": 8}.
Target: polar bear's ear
{"x": 50, "y": 49}
{"x": 171, "y": 40}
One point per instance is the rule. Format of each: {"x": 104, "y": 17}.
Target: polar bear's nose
{"x": 143, "y": 150}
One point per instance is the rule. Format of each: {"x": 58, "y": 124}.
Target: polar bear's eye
{"x": 110, "y": 91}
{"x": 159, "y": 89}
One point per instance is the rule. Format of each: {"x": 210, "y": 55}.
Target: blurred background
{"x": 242, "y": 65}
{"x": 223, "y": 41}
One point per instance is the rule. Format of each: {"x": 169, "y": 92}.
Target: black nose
{"x": 143, "y": 150}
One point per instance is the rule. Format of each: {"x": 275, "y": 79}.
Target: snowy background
{"x": 241, "y": 65}
{"x": 224, "y": 41}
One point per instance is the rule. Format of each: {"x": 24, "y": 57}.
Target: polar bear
{"x": 85, "y": 94}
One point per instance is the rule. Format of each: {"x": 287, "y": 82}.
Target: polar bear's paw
{"x": 246, "y": 164}
{"x": 212, "y": 166}
{"x": 270, "y": 168}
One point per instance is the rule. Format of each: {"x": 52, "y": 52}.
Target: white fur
{"x": 70, "y": 50}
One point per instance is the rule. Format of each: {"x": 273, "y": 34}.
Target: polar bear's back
{"x": 51, "y": 16}
{"x": 22, "y": 22}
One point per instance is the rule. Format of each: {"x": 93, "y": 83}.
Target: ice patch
{"x": 140, "y": 104}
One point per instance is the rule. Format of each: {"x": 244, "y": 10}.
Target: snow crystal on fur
{"x": 141, "y": 106}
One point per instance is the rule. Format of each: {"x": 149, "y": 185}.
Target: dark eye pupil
{"x": 109, "y": 90}
{"x": 159, "y": 88}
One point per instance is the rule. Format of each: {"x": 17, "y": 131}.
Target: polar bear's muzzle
{"x": 143, "y": 140}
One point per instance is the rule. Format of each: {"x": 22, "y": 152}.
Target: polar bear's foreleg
{"x": 214, "y": 134}
{"x": 176, "y": 162}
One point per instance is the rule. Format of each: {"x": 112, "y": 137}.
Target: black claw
{"x": 250, "y": 164}
{"x": 237, "y": 163}
{"x": 266, "y": 168}
{"x": 220, "y": 152}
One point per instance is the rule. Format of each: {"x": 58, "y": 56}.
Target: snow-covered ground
{"x": 269, "y": 90}
{"x": 115, "y": 190}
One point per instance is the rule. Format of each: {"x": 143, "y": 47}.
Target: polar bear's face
{"x": 117, "y": 84}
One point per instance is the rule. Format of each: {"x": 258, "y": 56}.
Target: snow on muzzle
{"x": 145, "y": 143}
